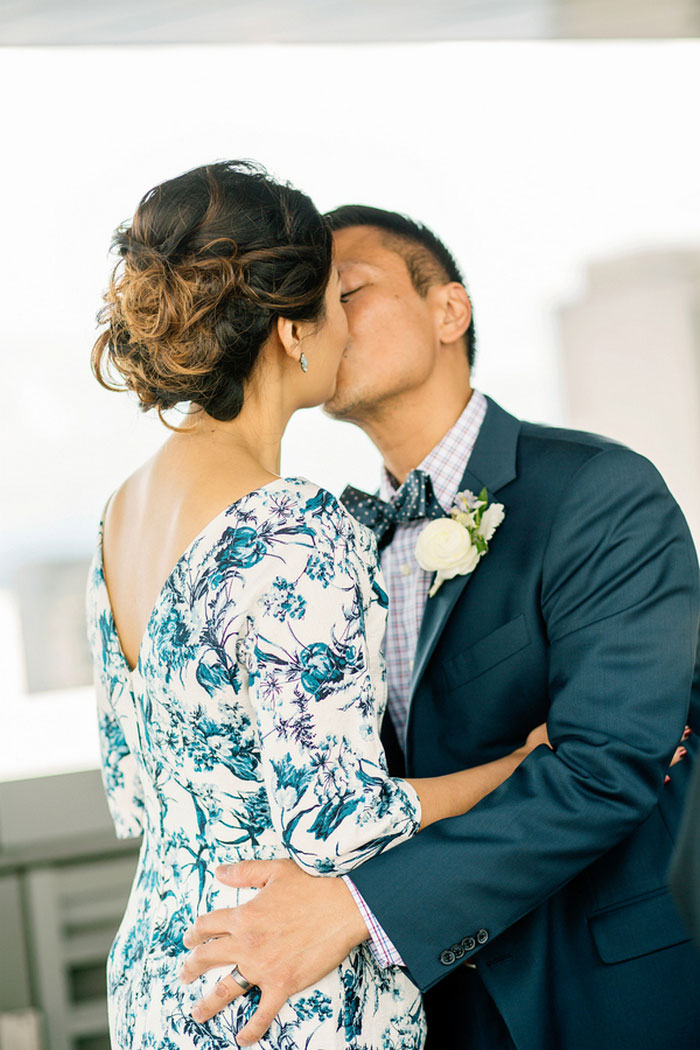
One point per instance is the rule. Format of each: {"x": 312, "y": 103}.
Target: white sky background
{"x": 528, "y": 158}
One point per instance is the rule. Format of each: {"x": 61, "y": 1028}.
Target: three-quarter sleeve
{"x": 317, "y": 684}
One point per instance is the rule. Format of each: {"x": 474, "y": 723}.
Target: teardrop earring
{"x": 303, "y": 362}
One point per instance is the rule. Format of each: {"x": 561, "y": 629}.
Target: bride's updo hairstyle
{"x": 209, "y": 262}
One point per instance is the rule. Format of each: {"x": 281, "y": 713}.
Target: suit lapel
{"x": 491, "y": 466}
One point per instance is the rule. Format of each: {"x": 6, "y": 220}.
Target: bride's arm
{"x": 455, "y": 793}
{"x": 310, "y": 647}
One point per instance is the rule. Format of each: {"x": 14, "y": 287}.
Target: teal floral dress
{"x": 250, "y": 729}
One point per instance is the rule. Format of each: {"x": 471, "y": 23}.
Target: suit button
{"x": 447, "y": 957}
{"x": 469, "y": 944}
{"x": 458, "y": 951}
{"x": 482, "y": 936}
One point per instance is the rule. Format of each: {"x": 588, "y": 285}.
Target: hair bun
{"x": 209, "y": 261}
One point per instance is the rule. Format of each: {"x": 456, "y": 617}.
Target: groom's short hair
{"x": 427, "y": 259}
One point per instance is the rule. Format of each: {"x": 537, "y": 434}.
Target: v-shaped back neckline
{"x": 133, "y": 671}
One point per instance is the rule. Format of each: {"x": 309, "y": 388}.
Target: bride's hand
{"x": 680, "y": 752}
{"x": 539, "y": 736}
{"x": 535, "y": 738}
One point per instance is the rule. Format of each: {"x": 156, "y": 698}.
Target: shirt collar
{"x": 447, "y": 461}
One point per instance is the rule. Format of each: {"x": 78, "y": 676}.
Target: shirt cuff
{"x": 384, "y": 951}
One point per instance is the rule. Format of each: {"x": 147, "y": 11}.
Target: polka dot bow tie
{"x": 415, "y": 499}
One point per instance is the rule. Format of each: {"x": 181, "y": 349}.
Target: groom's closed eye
{"x": 344, "y": 296}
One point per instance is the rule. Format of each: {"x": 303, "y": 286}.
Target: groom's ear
{"x": 453, "y": 310}
{"x": 290, "y": 335}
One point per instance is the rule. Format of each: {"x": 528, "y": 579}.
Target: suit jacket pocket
{"x": 487, "y": 652}
{"x": 637, "y": 927}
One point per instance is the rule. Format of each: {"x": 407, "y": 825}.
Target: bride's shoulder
{"x": 316, "y": 514}
{"x": 289, "y": 535}
{"x": 317, "y": 502}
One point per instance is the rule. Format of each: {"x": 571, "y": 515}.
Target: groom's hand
{"x": 291, "y": 934}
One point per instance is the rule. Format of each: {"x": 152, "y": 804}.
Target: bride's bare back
{"x": 156, "y": 514}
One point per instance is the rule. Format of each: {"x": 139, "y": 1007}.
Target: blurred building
{"x": 624, "y": 18}
{"x": 631, "y": 363}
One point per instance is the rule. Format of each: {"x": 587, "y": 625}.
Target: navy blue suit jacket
{"x": 583, "y": 613}
{"x": 685, "y": 866}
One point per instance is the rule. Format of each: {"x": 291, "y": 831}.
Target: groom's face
{"x": 393, "y": 337}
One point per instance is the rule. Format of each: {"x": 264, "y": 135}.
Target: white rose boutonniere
{"x": 452, "y": 546}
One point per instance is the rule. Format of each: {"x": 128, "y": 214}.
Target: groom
{"x": 540, "y": 919}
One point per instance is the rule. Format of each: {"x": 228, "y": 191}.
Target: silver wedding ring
{"x": 240, "y": 979}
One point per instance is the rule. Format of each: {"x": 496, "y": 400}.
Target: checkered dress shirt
{"x": 408, "y": 586}
{"x": 407, "y": 583}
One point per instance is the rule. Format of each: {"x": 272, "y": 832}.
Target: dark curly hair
{"x": 209, "y": 262}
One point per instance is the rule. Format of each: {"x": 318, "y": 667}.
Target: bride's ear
{"x": 290, "y": 336}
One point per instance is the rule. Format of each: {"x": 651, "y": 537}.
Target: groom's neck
{"x": 406, "y": 432}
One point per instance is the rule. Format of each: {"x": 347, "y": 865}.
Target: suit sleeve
{"x": 619, "y": 599}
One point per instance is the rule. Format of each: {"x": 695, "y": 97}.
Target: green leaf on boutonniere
{"x": 480, "y": 543}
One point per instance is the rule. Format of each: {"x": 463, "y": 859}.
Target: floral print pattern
{"x": 250, "y": 729}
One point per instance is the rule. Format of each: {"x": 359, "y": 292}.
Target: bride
{"x": 236, "y": 617}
